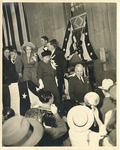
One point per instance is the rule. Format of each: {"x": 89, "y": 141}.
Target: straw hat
{"x": 91, "y": 98}
{"x": 80, "y": 118}
{"x": 30, "y": 44}
{"x": 21, "y": 131}
{"x": 106, "y": 83}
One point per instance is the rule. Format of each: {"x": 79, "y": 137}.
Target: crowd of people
{"x": 56, "y": 121}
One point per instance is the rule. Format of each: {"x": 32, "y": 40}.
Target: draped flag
{"x": 70, "y": 40}
{"x": 88, "y": 52}
{"x": 14, "y": 25}
{"x": 21, "y": 96}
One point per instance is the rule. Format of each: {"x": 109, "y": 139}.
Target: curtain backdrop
{"x": 14, "y": 25}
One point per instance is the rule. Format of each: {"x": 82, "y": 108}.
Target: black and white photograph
{"x": 59, "y": 74}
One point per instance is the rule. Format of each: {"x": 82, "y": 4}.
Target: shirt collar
{"x": 80, "y": 78}
{"x": 52, "y": 52}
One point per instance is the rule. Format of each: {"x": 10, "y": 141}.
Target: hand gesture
{"x": 53, "y": 109}
{"x": 41, "y": 85}
{"x": 95, "y": 112}
{"x": 53, "y": 64}
{"x": 34, "y": 57}
{"x": 20, "y": 74}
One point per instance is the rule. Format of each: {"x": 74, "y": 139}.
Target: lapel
{"x": 80, "y": 79}
{"x": 54, "y": 54}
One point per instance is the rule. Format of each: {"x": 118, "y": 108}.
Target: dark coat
{"x": 60, "y": 61}
{"x": 9, "y": 72}
{"x": 78, "y": 89}
{"x": 30, "y": 69}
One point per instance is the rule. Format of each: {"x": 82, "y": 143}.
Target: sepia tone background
{"x": 51, "y": 19}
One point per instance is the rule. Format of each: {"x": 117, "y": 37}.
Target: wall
{"x": 51, "y": 19}
{"x": 45, "y": 19}
{"x": 102, "y": 31}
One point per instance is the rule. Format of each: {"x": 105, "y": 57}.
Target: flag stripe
{"x": 25, "y": 39}
{"x": 8, "y": 27}
{"x": 85, "y": 52}
{"x": 15, "y": 28}
{"x": 11, "y": 24}
{"x": 3, "y": 38}
{"x": 89, "y": 47}
{"x": 66, "y": 36}
{"x": 34, "y": 100}
{"x": 26, "y": 24}
{"x": 5, "y": 32}
{"x": 5, "y": 25}
{"x": 14, "y": 98}
{"x": 69, "y": 40}
{"x": 24, "y": 102}
{"x": 19, "y": 23}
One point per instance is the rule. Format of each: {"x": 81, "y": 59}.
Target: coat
{"x": 9, "y": 71}
{"x": 78, "y": 89}
{"x": 60, "y": 61}
{"x": 30, "y": 69}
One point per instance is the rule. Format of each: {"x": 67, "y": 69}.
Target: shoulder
{"x": 40, "y": 63}
{"x": 73, "y": 78}
{"x": 59, "y": 50}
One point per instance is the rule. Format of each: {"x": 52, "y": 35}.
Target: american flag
{"x": 70, "y": 42}
{"x": 21, "y": 96}
{"x": 14, "y": 25}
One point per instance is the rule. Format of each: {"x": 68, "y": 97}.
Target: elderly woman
{"x": 46, "y": 76}
{"x": 28, "y": 60}
{"x": 9, "y": 72}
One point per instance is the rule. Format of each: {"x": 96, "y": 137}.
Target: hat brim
{"x": 37, "y": 134}
{"x": 78, "y": 109}
{"x": 28, "y": 44}
{"x": 101, "y": 87}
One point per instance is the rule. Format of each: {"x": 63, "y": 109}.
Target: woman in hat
{"x": 28, "y": 60}
{"x": 46, "y": 76}
{"x": 9, "y": 72}
{"x": 80, "y": 119}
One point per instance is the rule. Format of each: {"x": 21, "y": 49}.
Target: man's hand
{"x": 20, "y": 74}
{"x": 53, "y": 109}
{"x": 66, "y": 74}
{"x": 95, "y": 112}
{"x": 41, "y": 85}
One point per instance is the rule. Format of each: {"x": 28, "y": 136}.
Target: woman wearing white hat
{"x": 107, "y": 104}
{"x": 80, "y": 119}
{"x": 29, "y": 61}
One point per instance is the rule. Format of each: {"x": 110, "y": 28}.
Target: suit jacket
{"x": 78, "y": 89}
{"x": 9, "y": 72}
{"x": 60, "y": 61}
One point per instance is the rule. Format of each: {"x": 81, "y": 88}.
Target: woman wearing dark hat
{"x": 9, "y": 72}
{"x": 29, "y": 61}
{"x": 46, "y": 75}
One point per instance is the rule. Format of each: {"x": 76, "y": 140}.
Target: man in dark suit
{"x": 61, "y": 63}
{"x": 78, "y": 85}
